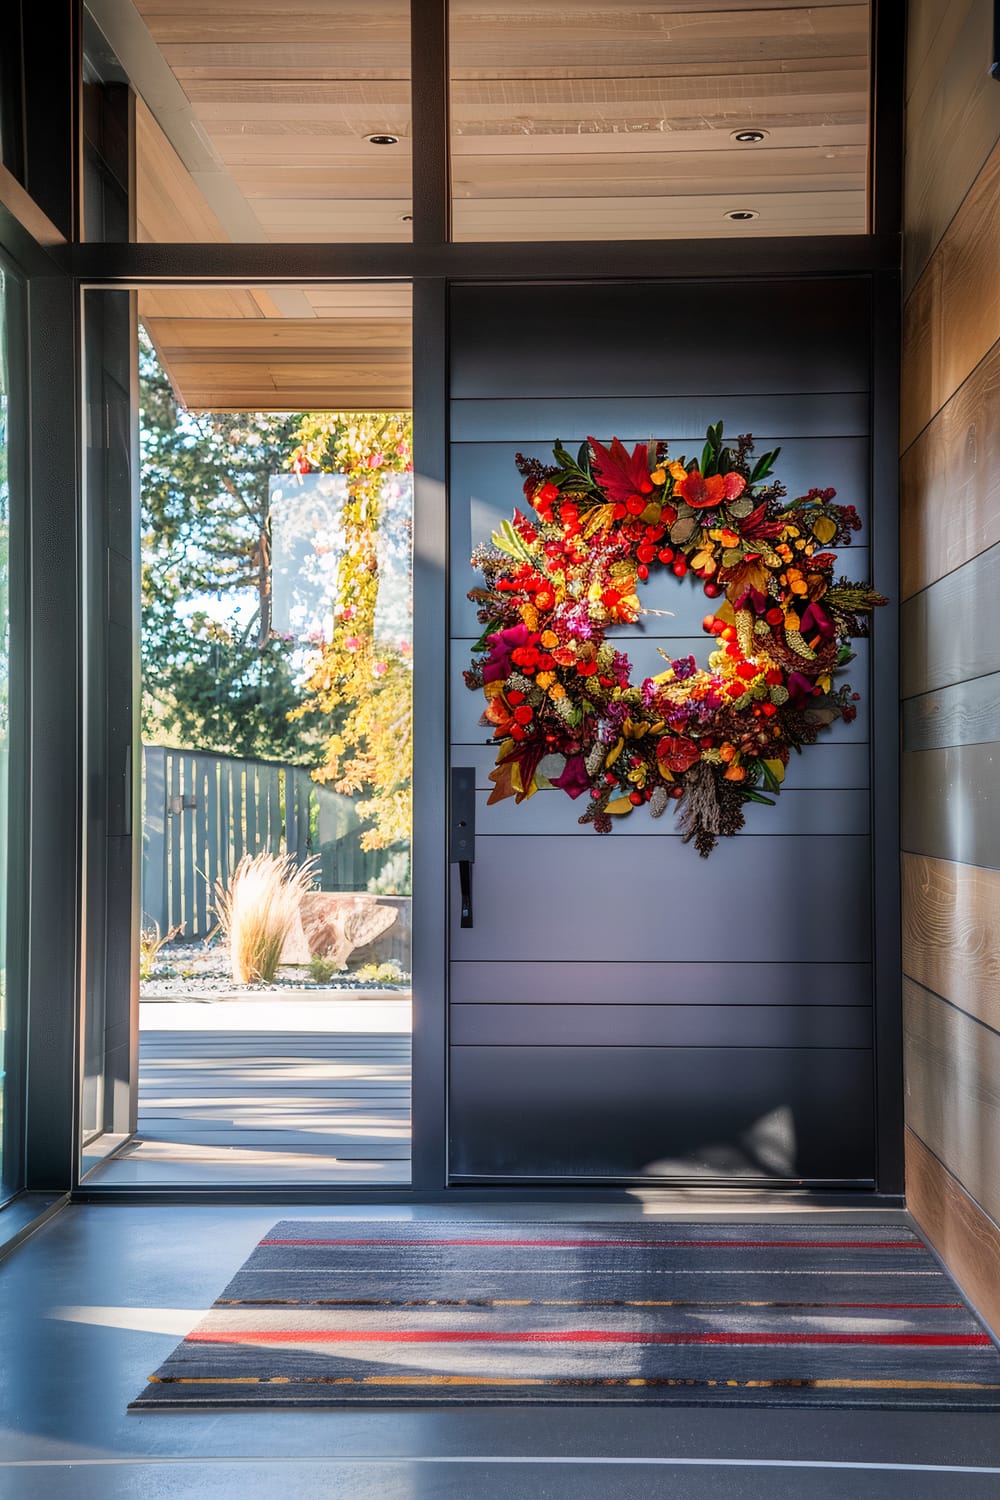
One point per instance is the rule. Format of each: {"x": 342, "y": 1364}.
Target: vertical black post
{"x": 888, "y": 84}
{"x": 15, "y": 793}
{"x": 429, "y": 115}
{"x": 430, "y": 736}
{"x": 51, "y": 38}
{"x": 885, "y": 733}
{"x": 55, "y": 791}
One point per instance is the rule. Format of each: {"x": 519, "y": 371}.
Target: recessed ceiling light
{"x": 741, "y": 214}
{"x": 749, "y": 137}
{"x": 382, "y": 140}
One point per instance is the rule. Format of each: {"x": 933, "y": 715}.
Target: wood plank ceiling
{"x": 604, "y": 119}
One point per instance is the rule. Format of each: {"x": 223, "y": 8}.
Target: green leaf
{"x": 707, "y": 459}
{"x": 749, "y": 796}
{"x": 507, "y": 539}
{"x": 731, "y": 556}
{"x": 482, "y": 644}
{"x": 764, "y": 465}
{"x": 770, "y": 780}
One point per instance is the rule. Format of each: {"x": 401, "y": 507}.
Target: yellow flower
{"x": 549, "y": 639}
{"x": 557, "y": 690}
{"x": 659, "y": 476}
{"x": 545, "y": 679}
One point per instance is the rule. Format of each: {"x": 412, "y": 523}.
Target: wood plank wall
{"x": 950, "y": 584}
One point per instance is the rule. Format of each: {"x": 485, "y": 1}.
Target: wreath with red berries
{"x": 559, "y": 696}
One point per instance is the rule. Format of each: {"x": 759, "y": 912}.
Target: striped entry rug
{"x": 441, "y": 1313}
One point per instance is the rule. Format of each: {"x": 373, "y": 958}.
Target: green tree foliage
{"x": 214, "y": 675}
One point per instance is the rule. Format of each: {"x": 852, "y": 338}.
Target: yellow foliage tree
{"x": 371, "y": 679}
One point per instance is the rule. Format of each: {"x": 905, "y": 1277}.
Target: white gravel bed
{"x": 187, "y": 971}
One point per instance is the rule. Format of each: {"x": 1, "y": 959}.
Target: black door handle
{"x": 463, "y": 833}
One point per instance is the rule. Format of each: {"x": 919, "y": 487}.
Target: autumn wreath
{"x": 560, "y": 697}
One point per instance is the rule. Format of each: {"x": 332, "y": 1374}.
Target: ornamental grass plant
{"x": 256, "y": 911}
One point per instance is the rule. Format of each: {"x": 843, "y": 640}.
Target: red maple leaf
{"x": 757, "y": 527}
{"x": 621, "y": 475}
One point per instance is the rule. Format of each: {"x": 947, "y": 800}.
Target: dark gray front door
{"x": 622, "y": 1009}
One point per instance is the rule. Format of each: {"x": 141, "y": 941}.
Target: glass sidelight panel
{"x": 110, "y": 562}
{"x": 12, "y": 871}
{"x": 642, "y": 121}
{"x": 270, "y": 1010}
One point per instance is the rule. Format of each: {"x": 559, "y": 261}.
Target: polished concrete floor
{"x": 99, "y": 1296}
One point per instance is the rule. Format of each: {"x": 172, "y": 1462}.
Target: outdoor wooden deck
{"x": 291, "y": 1092}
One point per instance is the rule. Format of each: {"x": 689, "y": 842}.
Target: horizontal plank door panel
{"x": 825, "y": 766}
{"x": 616, "y": 897}
{"x": 598, "y": 1112}
{"x": 540, "y": 1025}
{"x": 680, "y": 605}
{"x": 678, "y": 418}
{"x": 643, "y": 652}
{"x": 630, "y": 982}
{"x": 812, "y": 813}
{"x": 624, "y": 341}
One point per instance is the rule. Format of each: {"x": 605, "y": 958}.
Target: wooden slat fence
{"x": 202, "y": 812}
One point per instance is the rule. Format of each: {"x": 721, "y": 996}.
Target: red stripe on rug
{"x": 574, "y": 1336}
{"x": 632, "y": 1244}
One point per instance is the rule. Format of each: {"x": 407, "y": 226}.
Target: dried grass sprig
{"x": 256, "y": 911}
